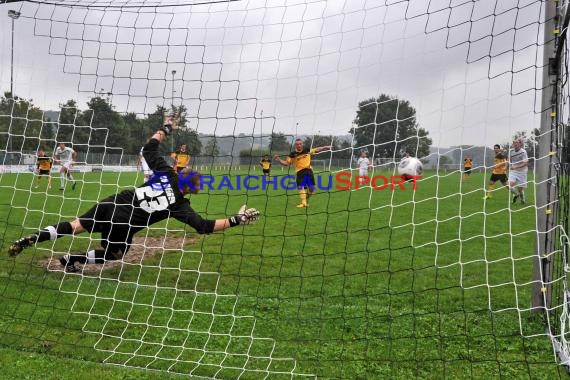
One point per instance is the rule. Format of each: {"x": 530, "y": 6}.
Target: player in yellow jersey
{"x": 301, "y": 159}
{"x": 181, "y": 158}
{"x": 499, "y": 171}
{"x": 265, "y": 164}
{"x": 43, "y": 168}
{"x": 467, "y": 166}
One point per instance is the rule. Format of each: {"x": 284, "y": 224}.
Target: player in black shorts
{"x": 499, "y": 173}
{"x": 43, "y": 168}
{"x": 265, "y": 164}
{"x": 120, "y": 216}
{"x": 300, "y": 158}
{"x": 306, "y": 178}
{"x": 467, "y": 166}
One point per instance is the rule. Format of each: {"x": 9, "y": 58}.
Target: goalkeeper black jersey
{"x": 156, "y": 200}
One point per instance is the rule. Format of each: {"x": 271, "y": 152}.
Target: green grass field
{"x": 433, "y": 283}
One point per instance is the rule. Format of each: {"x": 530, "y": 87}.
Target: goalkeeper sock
{"x": 95, "y": 256}
{"x": 491, "y": 188}
{"x": 54, "y": 232}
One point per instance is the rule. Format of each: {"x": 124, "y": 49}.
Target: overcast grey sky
{"x": 300, "y": 61}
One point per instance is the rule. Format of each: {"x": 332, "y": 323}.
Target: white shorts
{"x": 145, "y": 168}
{"x": 519, "y": 179}
{"x": 363, "y": 172}
{"x": 66, "y": 165}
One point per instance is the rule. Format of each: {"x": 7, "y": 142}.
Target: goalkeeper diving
{"x": 122, "y": 215}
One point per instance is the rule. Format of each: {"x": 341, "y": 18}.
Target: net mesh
{"x": 375, "y": 278}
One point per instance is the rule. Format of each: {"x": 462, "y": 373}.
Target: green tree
{"x": 444, "y": 160}
{"x": 153, "y": 121}
{"x": 318, "y": 140}
{"x": 211, "y": 148}
{"x": 108, "y": 131}
{"x": 21, "y": 127}
{"x": 343, "y": 151}
{"x": 253, "y": 156}
{"x": 183, "y": 134}
{"x": 390, "y": 125}
{"x": 278, "y": 142}
{"x": 136, "y": 136}
{"x": 72, "y": 126}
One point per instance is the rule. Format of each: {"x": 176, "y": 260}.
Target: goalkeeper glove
{"x": 244, "y": 216}
{"x": 167, "y": 129}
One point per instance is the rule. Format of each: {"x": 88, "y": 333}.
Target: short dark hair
{"x": 195, "y": 179}
{"x": 496, "y": 146}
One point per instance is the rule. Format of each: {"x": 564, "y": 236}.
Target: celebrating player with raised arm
{"x": 301, "y": 159}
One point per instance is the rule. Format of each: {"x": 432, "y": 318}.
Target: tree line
{"x": 98, "y": 128}
{"x": 384, "y": 126}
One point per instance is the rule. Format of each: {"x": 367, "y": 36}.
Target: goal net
{"x": 453, "y": 275}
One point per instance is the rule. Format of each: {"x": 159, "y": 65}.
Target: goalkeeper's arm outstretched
{"x": 119, "y": 217}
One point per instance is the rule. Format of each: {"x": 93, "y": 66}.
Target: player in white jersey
{"x": 65, "y": 157}
{"x": 518, "y": 170}
{"x": 142, "y": 164}
{"x": 363, "y": 164}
